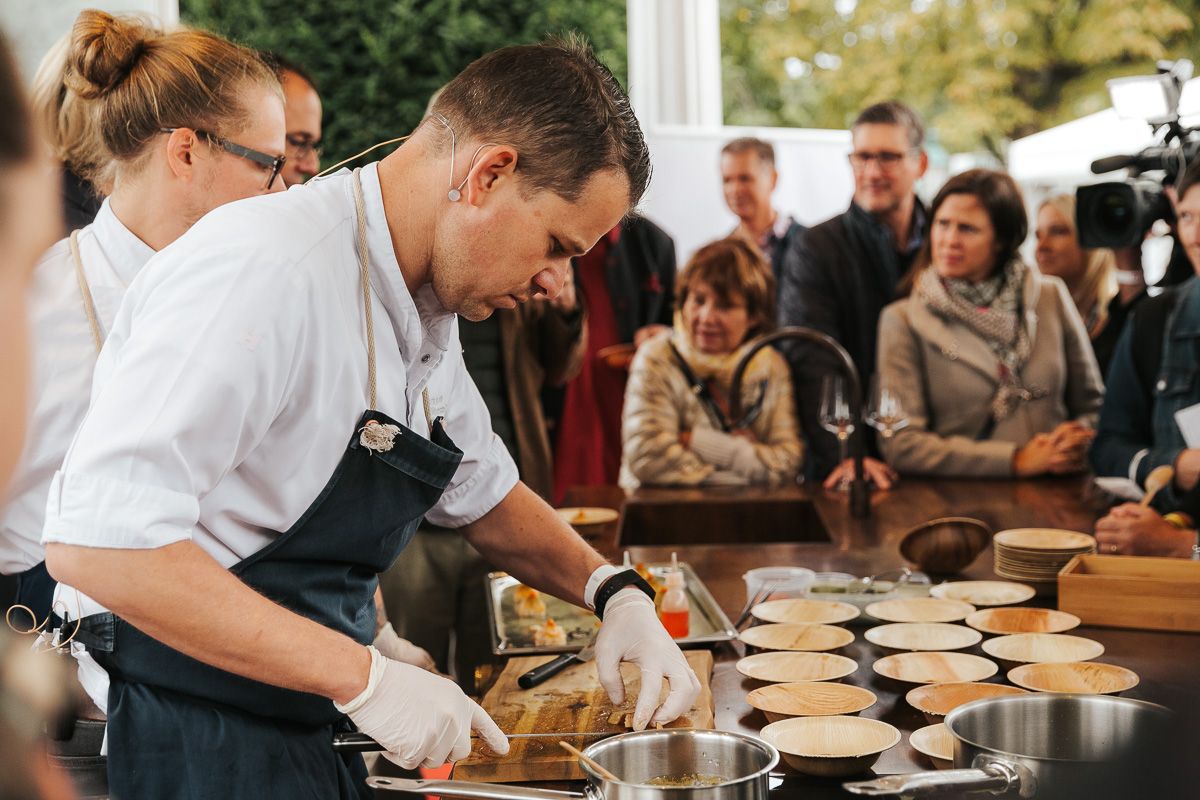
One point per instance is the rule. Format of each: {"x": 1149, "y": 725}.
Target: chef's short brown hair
{"x": 562, "y": 110}
{"x": 143, "y": 80}
{"x": 736, "y": 271}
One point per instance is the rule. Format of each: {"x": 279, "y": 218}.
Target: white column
{"x": 675, "y": 62}
{"x": 32, "y": 26}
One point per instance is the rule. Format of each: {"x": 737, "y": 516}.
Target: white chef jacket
{"x": 64, "y": 357}
{"x": 236, "y": 372}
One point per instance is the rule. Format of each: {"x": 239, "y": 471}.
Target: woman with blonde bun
{"x": 68, "y": 124}
{"x": 167, "y": 107}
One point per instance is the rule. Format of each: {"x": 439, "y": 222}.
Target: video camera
{"x": 1119, "y": 213}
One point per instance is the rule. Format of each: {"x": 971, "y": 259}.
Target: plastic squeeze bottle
{"x": 675, "y": 608}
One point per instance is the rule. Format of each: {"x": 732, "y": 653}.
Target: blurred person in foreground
{"x": 989, "y": 358}
{"x": 1149, "y": 417}
{"x": 677, "y": 427}
{"x": 31, "y": 685}
{"x": 846, "y": 269}
{"x": 30, "y": 221}
{"x": 1105, "y": 285}
{"x": 748, "y": 178}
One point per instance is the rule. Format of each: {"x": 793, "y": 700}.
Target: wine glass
{"x": 885, "y": 413}
{"x": 836, "y": 418}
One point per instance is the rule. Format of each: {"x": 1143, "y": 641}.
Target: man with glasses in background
{"x": 302, "y": 112}
{"x": 846, "y": 269}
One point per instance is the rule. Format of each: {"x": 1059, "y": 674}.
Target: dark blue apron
{"x": 178, "y": 728}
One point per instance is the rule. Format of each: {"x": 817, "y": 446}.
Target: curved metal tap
{"x": 860, "y": 498}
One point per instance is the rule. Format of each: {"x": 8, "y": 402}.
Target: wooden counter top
{"x": 1168, "y": 663}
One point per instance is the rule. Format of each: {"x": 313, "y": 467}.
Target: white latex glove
{"x": 421, "y": 719}
{"x": 390, "y": 645}
{"x": 632, "y": 632}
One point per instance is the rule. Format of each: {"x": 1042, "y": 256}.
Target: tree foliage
{"x": 981, "y": 72}
{"x": 378, "y": 61}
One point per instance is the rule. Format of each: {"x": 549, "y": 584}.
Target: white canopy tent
{"x": 1061, "y": 157}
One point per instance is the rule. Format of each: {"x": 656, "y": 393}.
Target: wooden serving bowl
{"x": 831, "y": 747}
{"x": 786, "y": 667}
{"x": 1039, "y": 648}
{"x": 920, "y": 609}
{"x": 935, "y": 743}
{"x": 912, "y": 636}
{"x": 945, "y": 546}
{"x": 936, "y": 700}
{"x": 809, "y": 699}
{"x": 934, "y": 667}
{"x": 799, "y": 610}
{"x": 784, "y": 636}
{"x": 1020, "y": 619}
{"x": 984, "y": 593}
{"x": 1079, "y": 677}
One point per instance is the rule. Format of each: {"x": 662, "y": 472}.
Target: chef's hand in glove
{"x": 420, "y": 718}
{"x": 390, "y": 645}
{"x": 632, "y": 632}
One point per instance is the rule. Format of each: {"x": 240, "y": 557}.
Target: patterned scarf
{"x": 992, "y": 310}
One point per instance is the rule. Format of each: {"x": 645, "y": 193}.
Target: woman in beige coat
{"x": 675, "y": 427}
{"x": 989, "y": 358}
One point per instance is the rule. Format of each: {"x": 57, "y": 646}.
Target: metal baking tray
{"x": 511, "y": 636}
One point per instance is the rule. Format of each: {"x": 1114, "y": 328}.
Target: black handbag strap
{"x": 704, "y": 395}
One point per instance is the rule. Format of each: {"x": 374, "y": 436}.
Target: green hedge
{"x": 378, "y": 61}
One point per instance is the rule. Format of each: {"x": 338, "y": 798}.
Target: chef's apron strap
{"x": 85, "y": 292}
{"x": 364, "y": 261}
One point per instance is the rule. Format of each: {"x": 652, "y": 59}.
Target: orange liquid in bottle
{"x": 676, "y": 623}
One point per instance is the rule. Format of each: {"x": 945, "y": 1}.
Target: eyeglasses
{"x": 274, "y": 163}
{"x": 886, "y": 159}
{"x": 302, "y": 145}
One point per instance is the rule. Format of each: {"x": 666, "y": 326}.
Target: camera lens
{"x": 1114, "y": 211}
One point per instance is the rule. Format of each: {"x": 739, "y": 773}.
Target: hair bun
{"x": 104, "y": 50}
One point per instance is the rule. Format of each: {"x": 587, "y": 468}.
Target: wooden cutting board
{"x": 573, "y": 700}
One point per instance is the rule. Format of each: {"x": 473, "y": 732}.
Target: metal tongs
{"x": 762, "y": 594}
{"x": 863, "y": 585}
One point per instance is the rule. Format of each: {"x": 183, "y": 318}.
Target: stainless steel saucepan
{"x": 669, "y": 758}
{"x": 1044, "y": 746}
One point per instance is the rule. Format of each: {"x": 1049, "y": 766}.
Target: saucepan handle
{"x": 991, "y": 775}
{"x": 481, "y": 791}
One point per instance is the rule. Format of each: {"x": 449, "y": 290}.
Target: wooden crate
{"x": 1132, "y": 592}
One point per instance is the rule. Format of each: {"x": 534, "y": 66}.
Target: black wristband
{"x": 616, "y": 583}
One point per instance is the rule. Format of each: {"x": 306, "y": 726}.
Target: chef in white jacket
{"x": 283, "y": 397}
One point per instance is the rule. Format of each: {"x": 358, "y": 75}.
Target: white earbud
{"x": 455, "y": 195}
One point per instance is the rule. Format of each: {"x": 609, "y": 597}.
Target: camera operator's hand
{"x": 1134, "y": 530}
{"x": 1187, "y": 469}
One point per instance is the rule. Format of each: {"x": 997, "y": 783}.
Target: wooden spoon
{"x": 1158, "y": 478}
{"x": 575, "y": 751}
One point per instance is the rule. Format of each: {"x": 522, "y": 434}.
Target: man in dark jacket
{"x": 846, "y": 269}
{"x": 748, "y": 178}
